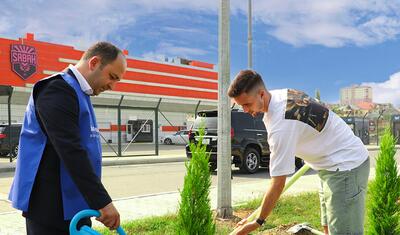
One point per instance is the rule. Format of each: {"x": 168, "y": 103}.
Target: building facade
{"x": 176, "y": 88}
{"x": 355, "y": 94}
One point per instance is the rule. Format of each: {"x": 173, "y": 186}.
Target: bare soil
{"x": 239, "y": 215}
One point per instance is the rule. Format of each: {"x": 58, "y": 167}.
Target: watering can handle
{"x": 84, "y": 214}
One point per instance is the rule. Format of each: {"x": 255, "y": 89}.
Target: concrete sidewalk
{"x": 132, "y": 158}
{"x": 136, "y": 207}
{"x": 132, "y": 208}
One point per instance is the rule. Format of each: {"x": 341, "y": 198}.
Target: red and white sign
{"x": 23, "y": 60}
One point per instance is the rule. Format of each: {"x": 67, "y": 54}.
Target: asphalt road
{"x": 141, "y": 180}
{"x": 127, "y": 181}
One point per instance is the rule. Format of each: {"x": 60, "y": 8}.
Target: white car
{"x": 180, "y": 137}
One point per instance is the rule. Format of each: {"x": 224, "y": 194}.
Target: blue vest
{"x": 31, "y": 147}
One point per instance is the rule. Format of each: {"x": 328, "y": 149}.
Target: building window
{"x": 146, "y": 128}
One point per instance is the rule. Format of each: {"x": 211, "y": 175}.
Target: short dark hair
{"x": 244, "y": 82}
{"x": 105, "y": 50}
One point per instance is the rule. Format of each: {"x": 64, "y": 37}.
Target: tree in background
{"x": 317, "y": 95}
{"x": 384, "y": 204}
{"x": 195, "y": 215}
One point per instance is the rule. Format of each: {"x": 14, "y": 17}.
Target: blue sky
{"x": 302, "y": 44}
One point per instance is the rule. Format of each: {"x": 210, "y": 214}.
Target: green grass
{"x": 155, "y": 226}
{"x": 290, "y": 209}
{"x": 151, "y": 225}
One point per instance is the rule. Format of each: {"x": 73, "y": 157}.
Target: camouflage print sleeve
{"x": 303, "y": 108}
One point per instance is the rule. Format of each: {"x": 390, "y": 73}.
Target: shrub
{"x": 195, "y": 215}
{"x": 384, "y": 205}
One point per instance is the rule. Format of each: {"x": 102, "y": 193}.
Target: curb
{"x": 373, "y": 148}
{"x": 117, "y": 162}
{"x": 7, "y": 169}
{"x": 121, "y": 161}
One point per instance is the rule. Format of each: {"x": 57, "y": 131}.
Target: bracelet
{"x": 260, "y": 221}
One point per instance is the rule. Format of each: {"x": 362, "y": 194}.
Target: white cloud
{"x": 296, "y": 22}
{"x": 329, "y": 23}
{"x": 152, "y": 55}
{"x": 157, "y": 5}
{"x": 4, "y": 25}
{"x": 381, "y": 28}
{"x": 387, "y": 91}
{"x": 78, "y": 23}
{"x": 180, "y": 30}
{"x": 169, "y": 50}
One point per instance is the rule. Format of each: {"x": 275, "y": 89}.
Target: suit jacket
{"x": 57, "y": 110}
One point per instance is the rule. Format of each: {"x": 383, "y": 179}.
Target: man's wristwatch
{"x": 260, "y": 221}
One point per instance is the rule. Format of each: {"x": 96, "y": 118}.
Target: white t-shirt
{"x": 299, "y": 126}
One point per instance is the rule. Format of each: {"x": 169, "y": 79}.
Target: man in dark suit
{"x": 59, "y": 163}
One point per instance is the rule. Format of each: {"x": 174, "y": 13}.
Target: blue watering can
{"x": 86, "y": 230}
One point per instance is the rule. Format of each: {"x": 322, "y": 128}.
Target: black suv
{"x": 5, "y": 139}
{"x": 250, "y": 148}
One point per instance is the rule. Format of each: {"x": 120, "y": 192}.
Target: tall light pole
{"x": 224, "y": 200}
{"x": 249, "y": 40}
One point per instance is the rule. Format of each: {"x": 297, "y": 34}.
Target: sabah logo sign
{"x": 23, "y": 60}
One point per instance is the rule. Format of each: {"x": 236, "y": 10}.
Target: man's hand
{"x": 109, "y": 216}
{"x": 271, "y": 196}
{"x": 241, "y": 223}
{"x": 244, "y": 227}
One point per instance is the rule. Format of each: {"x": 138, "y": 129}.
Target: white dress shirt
{"x": 81, "y": 80}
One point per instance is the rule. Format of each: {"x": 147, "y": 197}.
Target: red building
{"x": 181, "y": 85}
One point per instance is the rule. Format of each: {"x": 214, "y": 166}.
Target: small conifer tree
{"x": 195, "y": 216}
{"x": 384, "y": 202}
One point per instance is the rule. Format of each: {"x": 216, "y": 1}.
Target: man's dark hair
{"x": 105, "y": 50}
{"x": 244, "y": 82}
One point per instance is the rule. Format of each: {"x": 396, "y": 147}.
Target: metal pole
{"x": 9, "y": 124}
{"x": 224, "y": 201}
{"x": 249, "y": 39}
{"x": 119, "y": 127}
{"x": 156, "y": 126}
{"x": 363, "y": 128}
{"x": 109, "y": 145}
{"x": 197, "y": 108}
{"x": 162, "y": 114}
{"x": 349, "y": 112}
{"x": 138, "y": 132}
{"x": 377, "y": 126}
{"x": 377, "y": 132}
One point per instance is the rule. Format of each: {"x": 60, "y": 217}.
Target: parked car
{"x": 249, "y": 146}
{"x": 180, "y": 137}
{"x": 5, "y": 139}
